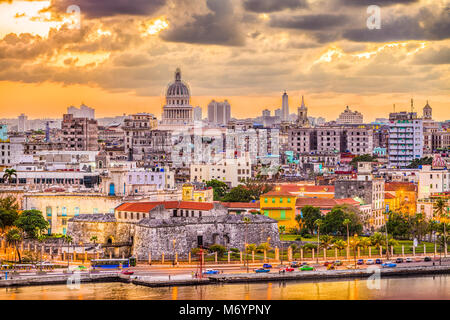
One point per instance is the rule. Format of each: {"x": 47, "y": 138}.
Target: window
{"x": 288, "y": 200}
{"x": 283, "y": 214}
{"x": 76, "y": 211}
{"x": 64, "y": 211}
{"x": 281, "y": 200}
{"x": 95, "y": 210}
{"x": 266, "y": 213}
{"x": 273, "y": 200}
{"x": 265, "y": 200}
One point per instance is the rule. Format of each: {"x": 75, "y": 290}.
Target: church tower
{"x": 302, "y": 115}
{"x": 427, "y": 112}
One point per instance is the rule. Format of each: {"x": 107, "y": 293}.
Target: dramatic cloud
{"x": 426, "y": 25}
{"x": 308, "y": 22}
{"x": 433, "y": 56}
{"x": 266, "y": 6}
{"x": 98, "y": 8}
{"x": 366, "y": 3}
{"x": 218, "y": 27}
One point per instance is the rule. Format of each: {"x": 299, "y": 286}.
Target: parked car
{"x": 304, "y": 263}
{"x": 360, "y": 262}
{"x": 370, "y": 261}
{"x": 307, "y": 268}
{"x": 426, "y": 259}
{"x": 211, "y": 271}
{"x": 389, "y": 264}
{"x": 331, "y": 267}
{"x": 287, "y": 269}
{"x": 338, "y": 263}
{"x": 409, "y": 259}
{"x": 294, "y": 264}
{"x": 326, "y": 263}
{"x": 378, "y": 261}
{"x": 399, "y": 260}
{"x": 267, "y": 266}
{"x": 262, "y": 270}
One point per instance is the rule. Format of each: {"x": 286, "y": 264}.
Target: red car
{"x": 287, "y": 269}
{"x": 327, "y": 263}
{"x": 127, "y": 272}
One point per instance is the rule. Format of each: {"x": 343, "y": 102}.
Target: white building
{"x": 197, "y": 114}
{"x": 12, "y": 151}
{"x": 177, "y": 110}
{"x": 405, "y": 139}
{"x": 82, "y": 112}
{"x": 284, "y": 107}
{"x": 350, "y": 117}
{"x": 22, "y": 124}
{"x": 230, "y": 171}
{"x": 433, "y": 179}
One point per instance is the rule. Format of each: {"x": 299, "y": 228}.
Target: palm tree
{"x": 354, "y": 243}
{"x": 318, "y": 223}
{"x": 94, "y": 239}
{"x": 14, "y": 237}
{"x": 298, "y": 219}
{"x": 41, "y": 239}
{"x": 293, "y": 247}
{"x": 69, "y": 240}
{"x": 346, "y": 222}
{"x": 282, "y": 231}
{"x": 439, "y": 210}
{"x": 365, "y": 243}
{"x": 340, "y": 245}
{"x": 9, "y": 174}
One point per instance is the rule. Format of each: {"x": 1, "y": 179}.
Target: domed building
{"x": 177, "y": 110}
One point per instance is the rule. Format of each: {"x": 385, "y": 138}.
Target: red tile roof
{"x": 276, "y": 208}
{"x": 324, "y": 202}
{"x": 280, "y": 193}
{"x": 387, "y": 195}
{"x": 147, "y": 206}
{"x": 397, "y": 186}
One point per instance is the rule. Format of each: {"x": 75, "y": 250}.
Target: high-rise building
{"x": 350, "y": 117}
{"x": 79, "y": 133}
{"x": 285, "y": 107}
{"x": 22, "y": 124}
{"x": 219, "y": 112}
{"x": 278, "y": 113}
{"x": 82, "y": 112}
{"x": 178, "y": 110}
{"x": 266, "y": 113}
{"x": 405, "y": 139}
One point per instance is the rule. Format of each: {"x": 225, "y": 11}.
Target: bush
{"x": 219, "y": 249}
{"x": 235, "y": 250}
{"x": 308, "y": 236}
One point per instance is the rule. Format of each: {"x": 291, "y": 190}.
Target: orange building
{"x": 401, "y": 197}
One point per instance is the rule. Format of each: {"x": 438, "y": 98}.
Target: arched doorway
{"x": 112, "y": 189}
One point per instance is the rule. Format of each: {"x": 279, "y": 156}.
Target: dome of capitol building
{"x": 178, "y": 91}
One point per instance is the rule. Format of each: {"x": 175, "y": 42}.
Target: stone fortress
{"x": 151, "y": 229}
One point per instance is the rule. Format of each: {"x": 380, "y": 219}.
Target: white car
{"x": 370, "y": 261}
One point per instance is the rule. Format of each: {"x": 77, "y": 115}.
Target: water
{"x": 429, "y": 287}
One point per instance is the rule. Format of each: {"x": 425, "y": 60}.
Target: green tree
{"x": 298, "y": 219}
{"x": 9, "y": 174}
{"x": 334, "y": 221}
{"x": 7, "y": 218}
{"x": 340, "y": 244}
{"x": 32, "y": 223}
{"x": 362, "y": 158}
{"x": 238, "y": 194}
{"x": 14, "y": 237}
{"x": 326, "y": 241}
{"x": 419, "y": 162}
{"x": 68, "y": 239}
{"x": 377, "y": 239}
{"x": 310, "y": 215}
{"x": 257, "y": 187}
{"x": 220, "y": 188}
{"x": 219, "y": 249}
{"x": 251, "y": 247}
{"x": 346, "y": 223}
{"x": 398, "y": 225}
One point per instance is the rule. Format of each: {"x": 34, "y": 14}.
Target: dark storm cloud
{"x": 262, "y": 6}
{"x": 366, "y": 3}
{"x": 308, "y": 22}
{"x": 423, "y": 26}
{"x": 100, "y": 8}
{"x": 218, "y": 27}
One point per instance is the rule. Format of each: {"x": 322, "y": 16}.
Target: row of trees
{"x": 342, "y": 219}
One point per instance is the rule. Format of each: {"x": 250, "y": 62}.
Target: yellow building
{"x": 279, "y": 205}
{"x": 190, "y": 193}
{"x": 401, "y": 197}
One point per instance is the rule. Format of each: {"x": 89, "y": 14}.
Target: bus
{"x": 110, "y": 263}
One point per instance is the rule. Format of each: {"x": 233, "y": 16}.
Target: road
{"x": 164, "y": 271}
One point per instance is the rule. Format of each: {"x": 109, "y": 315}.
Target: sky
{"x": 119, "y": 56}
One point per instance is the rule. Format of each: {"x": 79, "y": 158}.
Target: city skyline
{"x": 249, "y": 52}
